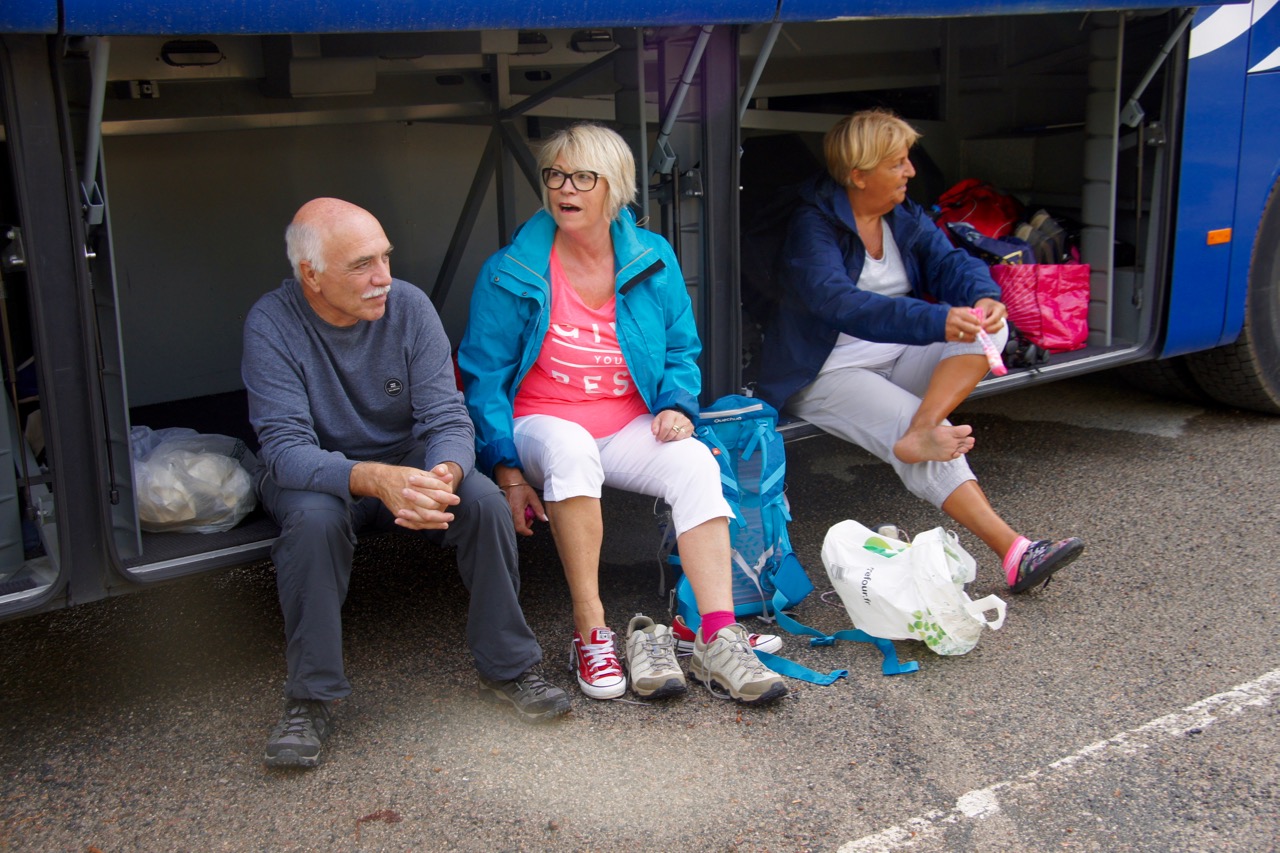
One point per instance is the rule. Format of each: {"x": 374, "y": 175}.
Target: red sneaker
{"x": 596, "y": 664}
{"x": 770, "y": 643}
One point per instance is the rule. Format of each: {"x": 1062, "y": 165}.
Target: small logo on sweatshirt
{"x": 393, "y": 387}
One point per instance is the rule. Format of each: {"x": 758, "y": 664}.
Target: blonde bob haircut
{"x": 592, "y": 147}
{"x": 863, "y": 140}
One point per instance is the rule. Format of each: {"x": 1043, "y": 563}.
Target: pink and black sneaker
{"x": 1041, "y": 559}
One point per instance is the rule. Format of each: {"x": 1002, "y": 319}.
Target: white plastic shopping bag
{"x": 189, "y": 482}
{"x": 914, "y": 591}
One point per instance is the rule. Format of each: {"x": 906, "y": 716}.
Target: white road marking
{"x": 981, "y": 804}
{"x": 985, "y": 802}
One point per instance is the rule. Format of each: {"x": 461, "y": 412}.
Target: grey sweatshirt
{"x": 322, "y": 398}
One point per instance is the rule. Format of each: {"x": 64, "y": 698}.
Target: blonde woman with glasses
{"x": 580, "y": 371}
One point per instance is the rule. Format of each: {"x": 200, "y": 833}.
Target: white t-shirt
{"x": 888, "y": 277}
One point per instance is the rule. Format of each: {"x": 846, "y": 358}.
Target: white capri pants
{"x": 565, "y": 461}
{"x": 872, "y": 407}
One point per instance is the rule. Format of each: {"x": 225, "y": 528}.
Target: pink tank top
{"x": 580, "y": 374}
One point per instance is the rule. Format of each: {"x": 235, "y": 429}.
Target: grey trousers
{"x": 313, "y": 569}
{"x": 872, "y": 407}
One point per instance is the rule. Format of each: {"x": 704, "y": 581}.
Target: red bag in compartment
{"x": 981, "y": 205}
{"x": 1048, "y": 303}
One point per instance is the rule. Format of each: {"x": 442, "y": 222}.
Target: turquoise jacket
{"x": 511, "y": 311}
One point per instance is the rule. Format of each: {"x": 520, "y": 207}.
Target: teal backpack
{"x": 741, "y": 433}
{"x": 768, "y": 578}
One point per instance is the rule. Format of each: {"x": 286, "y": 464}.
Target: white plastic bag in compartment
{"x": 188, "y": 482}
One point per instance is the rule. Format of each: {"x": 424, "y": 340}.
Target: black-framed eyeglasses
{"x": 583, "y": 180}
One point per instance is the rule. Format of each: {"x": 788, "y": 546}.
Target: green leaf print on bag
{"x": 933, "y": 634}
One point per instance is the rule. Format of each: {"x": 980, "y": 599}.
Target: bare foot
{"x": 934, "y": 444}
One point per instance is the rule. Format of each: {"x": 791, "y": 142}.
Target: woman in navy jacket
{"x": 875, "y": 338}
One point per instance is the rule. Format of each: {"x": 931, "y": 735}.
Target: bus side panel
{"x": 819, "y": 10}
{"x": 29, "y": 16}
{"x": 1259, "y": 159}
{"x": 173, "y": 17}
{"x": 1212, "y": 129}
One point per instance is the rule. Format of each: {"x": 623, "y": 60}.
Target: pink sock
{"x": 714, "y": 621}
{"x": 1014, "y": 556}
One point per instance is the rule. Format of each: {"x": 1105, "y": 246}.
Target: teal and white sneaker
{"x": 770, "y": 643}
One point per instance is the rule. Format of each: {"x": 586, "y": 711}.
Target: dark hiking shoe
{"x": 533, "y": 697}
{"x": 1042, "y": 559}
{"x": 299, "y": 737}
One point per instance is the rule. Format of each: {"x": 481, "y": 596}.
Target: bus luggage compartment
{"x": 210, "y": 142}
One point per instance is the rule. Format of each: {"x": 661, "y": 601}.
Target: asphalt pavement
{"x": 1130, "y": 706}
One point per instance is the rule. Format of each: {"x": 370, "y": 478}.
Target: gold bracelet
{"x": 512, "y": 485}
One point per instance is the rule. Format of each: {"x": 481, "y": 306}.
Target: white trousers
{"x": 565, "y": 461}
{"x": 872, "y": 407}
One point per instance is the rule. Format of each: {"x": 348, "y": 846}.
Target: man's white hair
{"x": 304, "y": 242}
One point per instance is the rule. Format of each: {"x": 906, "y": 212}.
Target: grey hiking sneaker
{"x": 651, "y": 659}
{"x": 299, "y": 737}
{"x": 532, "y": 696}
{"x": 728, "y": 663}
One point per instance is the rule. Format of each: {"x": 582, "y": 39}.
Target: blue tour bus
{"x": 151, "y": 152}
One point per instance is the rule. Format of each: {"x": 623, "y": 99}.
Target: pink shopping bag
{"x": 1048, "y": 303}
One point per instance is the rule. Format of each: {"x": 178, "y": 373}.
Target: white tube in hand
{"x": 988, "y": 347}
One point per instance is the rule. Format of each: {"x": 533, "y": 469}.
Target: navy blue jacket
{"x": 818, "y": 271}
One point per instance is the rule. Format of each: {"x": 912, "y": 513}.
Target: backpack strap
{"x": 889, "y": 666}
{"x": 758, "y": 439}
{"x": 752, "y": 573}
{"x": 687, "y": 607}
{"x": 791, "y": 582}
{"x": 762, "y": 436}
{"x": 686, "y": 604}
{"x": 791, "y": 669}
{"x": 728, "y": 482}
